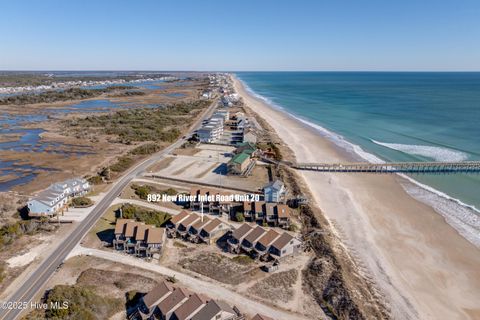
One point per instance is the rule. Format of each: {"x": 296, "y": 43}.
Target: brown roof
{"x": 255, "y": 234}
{"x": 270, "y": 209}
{"x": 211, "y": 309}
{"x": 283, "y": 211}
{"x": 258, "y": 205}
{"x": 241, "y": 231}
{"x": 247, "y": 206}
{"x": 206, "y": 191}
{"x": 157, "y": 294}
{"x": 199, "y": 224}
{"x": 268, "y": 238}
{"x": 212, "y": 225}
{"x": 170, "y": 302}
{"x": 193, "y": 191}
{"x": 282, "y": 241}
{"x": 140, "y": 234}
{"x": 259, "y": 316}
{"x": 192, "y": 218}
{"x": 189, "y": 307}
{"x": 130, "y": 228}
{"x": 179, "y": 217}
{"x": 120, "y": 225}
{"x": 155, "y": 235}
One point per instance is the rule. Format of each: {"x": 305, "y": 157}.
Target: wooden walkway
{"x": 391, "y": 167}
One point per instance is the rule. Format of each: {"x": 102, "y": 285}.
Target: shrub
{"x": 242, "y": 259}
{"x": 2, "y": 272}
{"x": 82, "y": 202}
{"x": 142, "y": 191}
{"x": 293, "y": 227}
{"x": 83, "y": 303}
{"x": 239, "y": 217}
{"x": 122, "y": 164}
{"x": 145, "y": 149}
{"x": 152, "y": 217}
{"x": 95, "y": 180}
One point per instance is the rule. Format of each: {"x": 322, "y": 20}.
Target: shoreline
{"x": 421, "y": 263}
{"x": 463, "y": 217}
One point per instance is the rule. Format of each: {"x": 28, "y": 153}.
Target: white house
{"x": 51, "y": 200}
{"x": 211, "y": 130}
{"x": 274, "y": 191}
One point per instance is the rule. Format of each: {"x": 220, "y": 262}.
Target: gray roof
{"x": 277, "y": 185}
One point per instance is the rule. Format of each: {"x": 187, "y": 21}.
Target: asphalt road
{"x": 25, "y": 294}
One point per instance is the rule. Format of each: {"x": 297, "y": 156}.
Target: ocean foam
{"x": 462, "y": 217}
{"x": 432, "y": 152}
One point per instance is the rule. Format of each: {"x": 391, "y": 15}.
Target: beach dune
{"x": 425, "y": 269}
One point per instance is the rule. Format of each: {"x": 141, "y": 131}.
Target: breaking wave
{"x": 432, "y": 152}
{"x": 461, "y": 216}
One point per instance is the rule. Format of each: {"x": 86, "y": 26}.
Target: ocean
{"x": 393, "y": 116}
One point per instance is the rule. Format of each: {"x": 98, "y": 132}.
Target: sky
{"x": 316, "y": 35}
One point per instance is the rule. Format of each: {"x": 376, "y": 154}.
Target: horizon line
{"x": 224, "y": 71}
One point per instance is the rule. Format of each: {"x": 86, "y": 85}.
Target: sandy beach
{"x": 425, "y": 269}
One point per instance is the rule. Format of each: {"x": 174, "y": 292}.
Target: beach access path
{"x": 212, "y": 289}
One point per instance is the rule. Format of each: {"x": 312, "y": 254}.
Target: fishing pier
{"x": 388, "y": 167}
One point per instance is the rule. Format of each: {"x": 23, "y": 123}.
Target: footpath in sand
{"x": 213, "y": 290}
{"x": 424, "y": 267}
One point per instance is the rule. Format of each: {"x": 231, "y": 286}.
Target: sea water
{"x": 393, "y": 116}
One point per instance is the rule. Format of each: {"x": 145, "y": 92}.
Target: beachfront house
{"x": 171, "y": 303}
{"x": 264, "y": 243}
{"x": 210, "y": 231}
{"x": 259, "y": 211}
{"x": 259, "y": 316}
{"x": 250, "y": 241}
{"x": 211, "y": 130}
{"x": 174, "y": 222}
{"x": 261, "y": 242}
{"x": 246, "y": 147}
{"x": 190, "y": 307}
{"x": 185, "y": 225}
{"x": 274, "y": 191}
{"x": 239, "y": 164}
{"x": 270, "y": 216}
{"x": 167, "y": 302}
{"x": 237, "y": 236}
{"x": 216, "y": 310}
{"x": 285, "y": 245}
{"x": 283, "y": 216}
{"x": 194, "y": 231}
{"x": 275, "y": 214}
{"x": 248, "y": 211}
{"x": 148, "y": 303}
